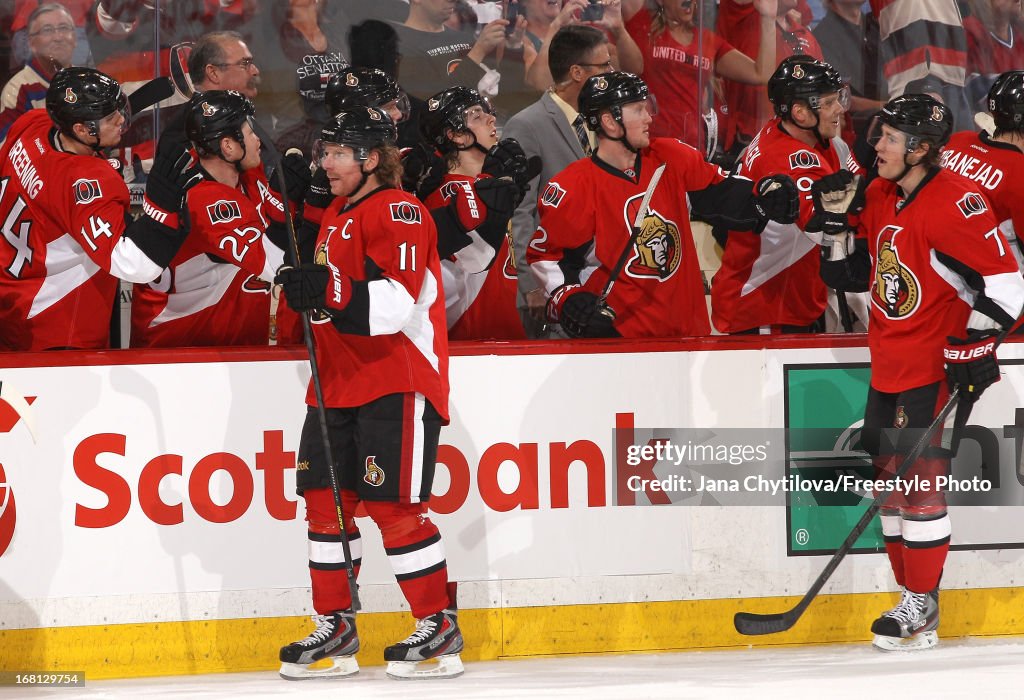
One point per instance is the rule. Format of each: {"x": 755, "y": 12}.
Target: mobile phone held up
{"x": 512, "y": 13}
{"x": 594, "y": 12}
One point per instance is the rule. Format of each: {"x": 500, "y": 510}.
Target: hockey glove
{"x": 318, "y": 198}
{"x": 422, "y": 170}
{"x": 584, "y": 315}
{"x": 313, "y": 287}
{"x": 469, "y": 209}
{"x": 296, "y": 176}
{"x": 500, "y": 197}
{"x": 777, "y": 199}
{"x": 506, "y": 159}
{"x": 166, "y": 186}
{"x": 971, "y": 363}
{"x": 835, "y": 197}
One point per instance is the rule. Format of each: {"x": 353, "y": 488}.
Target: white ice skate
{"x": 335, "y": 638}
{"x": 432, "y": 651}
{"x": 911, "y": 625}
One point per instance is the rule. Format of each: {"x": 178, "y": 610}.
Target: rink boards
{"x": 153, "y": 528}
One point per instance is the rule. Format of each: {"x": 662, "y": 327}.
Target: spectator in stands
{"x": 300, "y": 50}
{"x": 463, "y": 19}
{"x": 625, "y": 54}
{"x": 995, "y": 42}
{"x": 554, "y": 129}
{"x": 435, "y": 57}
{"x": 739, "y": 24}
{"x": 539, "y": 16}
{"x": 849, "y": 40}
{"x": 51, "y": 38}
{"x": 672, "y": 47}
{"x": 23, "y": 9}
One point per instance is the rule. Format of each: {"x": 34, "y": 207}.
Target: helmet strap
{"x": 98, "y": 150}
{"x": 616, "y": 112}
{"x": 814, "y": 128}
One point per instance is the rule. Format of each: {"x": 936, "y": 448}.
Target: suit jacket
{"x": 542, "y": 130}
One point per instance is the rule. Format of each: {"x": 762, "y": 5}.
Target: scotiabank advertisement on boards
{"x": 149, "y": 479}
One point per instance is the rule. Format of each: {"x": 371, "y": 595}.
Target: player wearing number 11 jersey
{"x": 64, "y": 236}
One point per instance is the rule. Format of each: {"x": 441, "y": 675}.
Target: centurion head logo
{"x": 351, "y": 80}
{"x": 895, "y": 290}
{"x": 658, "y": 249}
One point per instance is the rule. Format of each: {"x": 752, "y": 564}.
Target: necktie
{"x": 582, "y": 134}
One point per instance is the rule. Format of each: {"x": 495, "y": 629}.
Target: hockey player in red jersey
{"x": 64, "y": 208}
{"x": 375, "y": 291}
{"x": 768, "y": 281}
{"x": 942, "y": 284}
{"x": 216, "y": 291}
{"x": 995, "y": 162}
{"x": 587, "y": 213}
{"x": 479, "y": 277}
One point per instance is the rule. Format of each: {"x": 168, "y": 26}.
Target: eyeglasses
{"x": 244, "y": 64}
{"x": 607, "y": 64}
{"x": 49, "y": 30}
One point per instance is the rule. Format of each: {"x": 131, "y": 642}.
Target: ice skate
{"x": 437, "y": 639}
{"x": 335, "y": 638}
{"x": 909, "y": 626}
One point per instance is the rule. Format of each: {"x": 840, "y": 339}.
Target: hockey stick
{"x": 148, "y": 94}
{"x": 641, "y": 213}
{"x": 307, "y": 333}
{"x": 772, "y": 623}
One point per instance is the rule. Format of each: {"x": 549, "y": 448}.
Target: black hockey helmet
{"x": 921, "y": 117}
{"x": 214, "y": 114}
{"x": 361, "y": 128}
{"x": 803, "y": 78}
{"x": 610, "y": 91}
{"x": 360, "y": 87}
{"x": 84, "y": 96}
{"x": 1006, "y": 101}
{"x": 447, "y": 110}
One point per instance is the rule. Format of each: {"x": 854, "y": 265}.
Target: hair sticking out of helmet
{"x": 214, "y": 114}
{"x": 1006, "y": 101}
{"x": 85, "y": 96}
{"x": 361, "y": 128}
{"x": 446, "y": 111}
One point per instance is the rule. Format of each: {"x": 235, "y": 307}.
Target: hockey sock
{"x": 925, "y": 545}
{"x": 326, "y": 553}
{"x": 415, "y": 552}
{"x": 892, "y": 532}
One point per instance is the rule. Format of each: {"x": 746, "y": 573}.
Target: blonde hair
{"x": 389, "y": 168}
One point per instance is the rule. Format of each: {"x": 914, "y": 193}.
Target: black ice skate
{"x": 335, "y": 638}
{"x": 436, "y": 637}
{"x": 911, "y": 625}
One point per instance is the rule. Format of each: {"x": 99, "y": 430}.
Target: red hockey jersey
{"x": 481, "y": 304}
{"x": 201, "y": 302}
{"x": 586, "y": 217}
{"x": 919, "y": 249}
{"x": 772, "y": 278}
{"x": 392, "y": 336}
{"x": 997, "y": 169}
{"x": 62, "y": 216}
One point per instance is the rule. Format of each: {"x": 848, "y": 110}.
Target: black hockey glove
{"x": 835, "y": 197}
{"x": 777, "y": 199}
{"x": 164, "y": 224}
{"x": 584, "y": 315}
{"x": 311, "y": 287}
{"x": 422, "y": 170}
{"x": 500, "y": 197}
{"x": 506, "y": 159}
{"x": 971, "y": 363}
{"x": 296, "y": 176}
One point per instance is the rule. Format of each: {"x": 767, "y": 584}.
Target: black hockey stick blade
{"x": 755, "y": 624}
{"x": 156, "y": 90}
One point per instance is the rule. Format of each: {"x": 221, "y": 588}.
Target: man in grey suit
{"x": 549, "y": 128}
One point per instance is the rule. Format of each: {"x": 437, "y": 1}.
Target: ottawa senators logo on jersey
{"x": 895, "y": 290}
{"x": 553, "y": 195}
{"x": 972, "y": 204}
{"x": 223, "y": 211}
{"x": 658, "y": 248}
{"x": 86, "y": 190}
{"x": 803, "y": 159}
{"x": 405, "y": 213}
{"x": 254, "y": 285}
{"x": 374, "y": 475}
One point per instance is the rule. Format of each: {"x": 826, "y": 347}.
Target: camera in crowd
{"x": 594, "y": 12}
